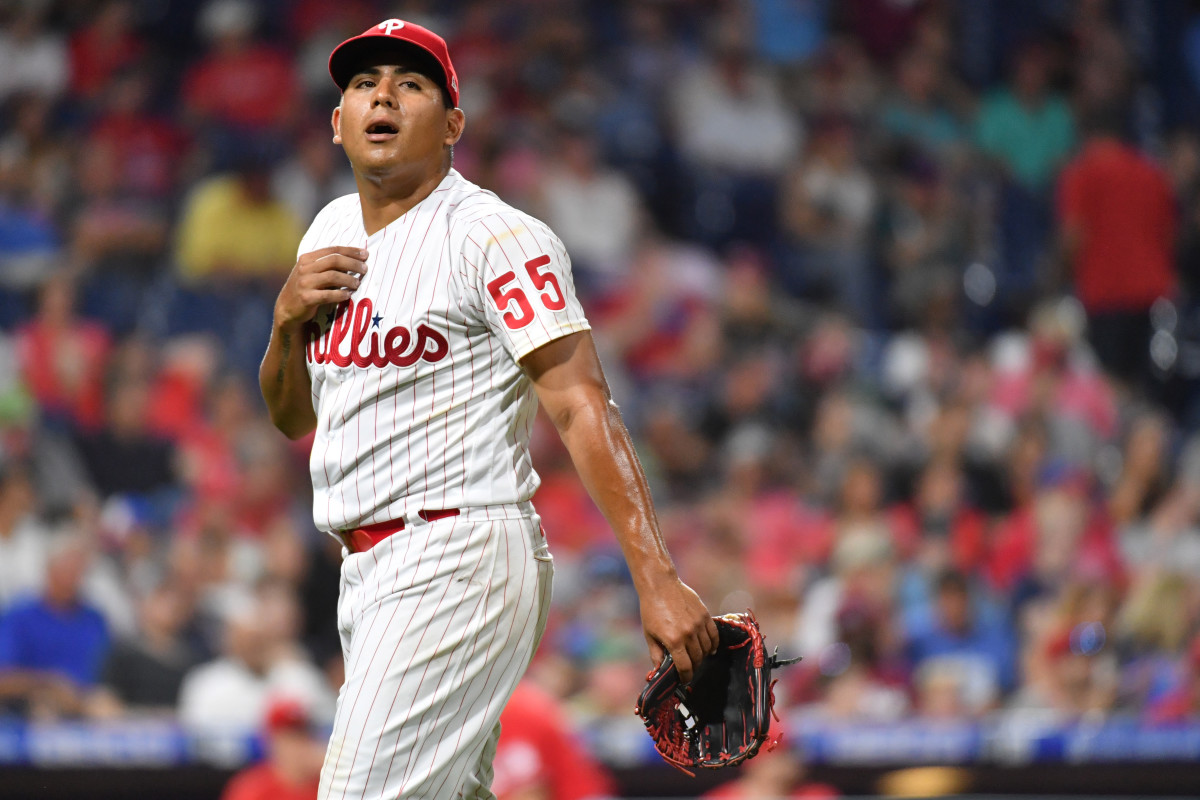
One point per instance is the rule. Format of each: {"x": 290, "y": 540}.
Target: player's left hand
{"x": 676, "y": 621}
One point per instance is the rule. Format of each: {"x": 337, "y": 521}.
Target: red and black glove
{"x": 723, "y": 716}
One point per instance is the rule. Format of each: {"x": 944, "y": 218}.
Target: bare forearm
{"x": 603, "y": 453}
{"x": 283, "y": 377}
{"x": 571, "y": 386}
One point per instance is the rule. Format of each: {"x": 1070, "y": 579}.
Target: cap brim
{"x": 356, "y": 55}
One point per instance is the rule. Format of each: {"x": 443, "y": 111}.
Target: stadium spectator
{"x": 53, "y": 645}
{"x": 938, "y": 530}
{"x": 960, "y": 629}
{"x": 593, "y": 209}
{"x": 1152, "y": 634}
{"x": 99, "y": 50}
{"x": 777, "y": 772}
{"x": 947, "y": 689}
{"x": 63, "y": 359}
{"x": 735, "y": 129}
{"x": 828, "y": 206}
{"x": 863, "y": 578}
{"x": 24, "y": 538}
{"x": 1066, "y": 682}
{"x": 216, "y": 92}
{"x": 33, "y": 57}
{"x": 126, "y": 456}
{"x": 234, "y": 228}
{"x": 538, "y": 757}
{"x": 261, "y": 659}
{"x": 148, "y": 150}
{"x": 1058, "y": 536}
{"x": 292, "y": 768}
{"x": 1026, "y": 126}
{"x": 923, "y": 239}
{"x": 143, "y": 674}
{"x": 118, "y": 238}
{"x": 916, "y": 114}
{"x": 236, "y": 240}
{"x": 32, "y": 169}
{"x": 1029, "y": 131}
{"x": 1118, "y": 217}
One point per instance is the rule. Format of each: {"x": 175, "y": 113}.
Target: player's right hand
{"x": 326, "y": 276}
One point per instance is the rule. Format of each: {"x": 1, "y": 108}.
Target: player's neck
{"x": 385, "y": 199}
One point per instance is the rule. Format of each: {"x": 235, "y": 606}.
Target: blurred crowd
{"x": 899, "y": 298}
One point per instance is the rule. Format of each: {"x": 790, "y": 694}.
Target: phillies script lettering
{"x": 343, "y": 342}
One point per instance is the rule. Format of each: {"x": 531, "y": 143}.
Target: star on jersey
{"x": 399, "y": 346}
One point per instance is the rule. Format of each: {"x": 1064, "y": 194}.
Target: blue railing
{"x": 1002, "y": 740}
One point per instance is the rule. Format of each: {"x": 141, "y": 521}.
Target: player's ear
{"x": 455, "y": 122}
{"x": 337, "y": 124}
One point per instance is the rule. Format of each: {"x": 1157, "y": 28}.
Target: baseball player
{"x": 423, "y": 321}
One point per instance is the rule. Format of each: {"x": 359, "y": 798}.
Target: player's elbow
{"x": 293, "y": 426}
{"x": 583, "y": 407}
{"x": 295, "y": 433}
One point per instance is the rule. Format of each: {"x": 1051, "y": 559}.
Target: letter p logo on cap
{"x": 345, "y": 58}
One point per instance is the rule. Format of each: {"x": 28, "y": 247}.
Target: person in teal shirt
{"x": 915, "y": 112}
{"x": 1026, "y": 127}
{"x": 1028, "y": 132}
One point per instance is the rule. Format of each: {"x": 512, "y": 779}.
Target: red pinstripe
{"x": 387, "y": 667}
{"x": 354, "y": 634}
{"x": 375, "y": 406}
{"x": 379, "y": 643}
{"x": 432, "y": 379}
{"x": 497, "y": 325}
{"x": 533, "y": 612}
{"x": 325, "y": 453}
{"x": 441, "y": 678}
{"x": 471, "y": 393}
{"x": 404, "y": 294}
{"x": 503, "y": 602}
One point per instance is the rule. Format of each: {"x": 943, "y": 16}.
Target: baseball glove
{"x": 723, "y": 716}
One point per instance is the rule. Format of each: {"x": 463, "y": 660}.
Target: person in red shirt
{"x": 63, "y": 358}
{"x": 538, "y": 756}
{"x": 775, "y": 773}
{"x": 938, "y": 526}
{"x": 1117, "y": 212}
{"x": 102, "y": 47}
{"x": 146, "y": 148}
{"x": 292, "y": 768}
{"x": 217, "y": 90}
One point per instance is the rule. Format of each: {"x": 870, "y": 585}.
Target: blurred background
{"x": 899, "y": 298}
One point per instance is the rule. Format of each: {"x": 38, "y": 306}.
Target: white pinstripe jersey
{"x": 420, "y": 401}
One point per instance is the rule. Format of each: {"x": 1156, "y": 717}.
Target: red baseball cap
{"x": 347, "y": 57}
{"x": 285, "y": 713}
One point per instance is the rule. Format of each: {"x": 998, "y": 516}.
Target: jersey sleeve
{"x": 522, "y": 276}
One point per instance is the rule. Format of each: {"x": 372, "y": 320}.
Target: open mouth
{"x": 381, "y": 131}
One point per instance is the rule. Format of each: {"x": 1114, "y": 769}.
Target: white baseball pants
{"x": 438, "y": 623}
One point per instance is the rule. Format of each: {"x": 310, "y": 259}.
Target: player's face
{"x": 392, "y": 117}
